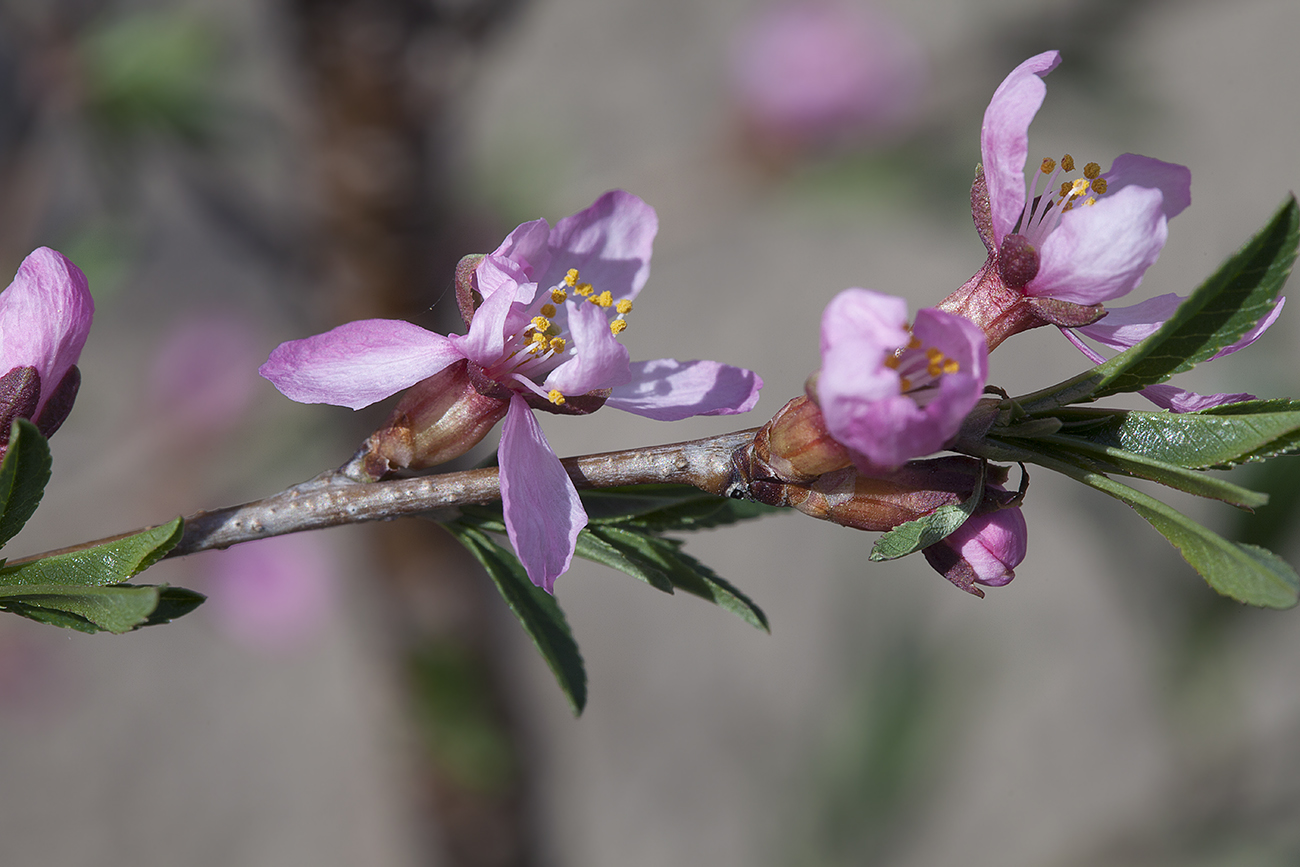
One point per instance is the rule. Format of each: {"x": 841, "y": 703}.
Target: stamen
{"x": 571, "y": 278}
{"x": 1090, "y": 201}
{"x": 538, "y": 337}
{"x": 1092, "y": 171}
{"x": 914, "y": 343}
{"x": 557, "y": 345}
{"x": 548, "y": 310}
{"x": 618, "y": 326}
{"x": 904, "y": 384}
{"x": 892, "y": 362}
{"x": 951, "y": 366}
{"x": 1099, "y": 186}
{"x": 555, "y": 397}
{"x": 933, "y": 354}
{"x": 624, "y": 306}
{"x": 1067, "y": 163}
{"x": 541, "y": 323}
{"x": 1048, "y": 166}
{"x": 1065, "y": 189}
{"x": 559, "y": 296}
{"x": 604, "y": 299}
{"x": 583, "y": 289}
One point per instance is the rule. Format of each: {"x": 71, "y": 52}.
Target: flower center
{"x": 1018, "y": 256}
{"x": 920, "y": 367}
{"x": 543, "y": 344}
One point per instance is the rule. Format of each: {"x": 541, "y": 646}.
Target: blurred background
{"x": 234, "y": 174}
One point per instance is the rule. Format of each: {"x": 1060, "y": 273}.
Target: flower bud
{"x": 438, "y": 419}
{"x": 984, "y": 550}
{"x": 795, "y": 445}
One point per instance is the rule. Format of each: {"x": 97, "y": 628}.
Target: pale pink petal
{"x": 962, "y": 341}
{"x": 1178, "y": 400}
{"x": 1004, "y": 138}
{"x": 609, "y": 243}
{"x": 668, "y": 390}
{"x": 485, "y": 343}
{"x": 542, "y": 511}
{"x": 359, "y": 363}
{"x": 1101, "y": 251}
{"x": 599, "y": 360}
{"x": 1123, "y": 327}
{"x": 861, "y": 318}
{"x": 1172, "y": 180}
{"x": 526, "y": 246}
{"x": 45, "y": 316}
{"x": 1254, "y": 333}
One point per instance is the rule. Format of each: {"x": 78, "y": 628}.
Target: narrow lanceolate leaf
{"x": 1220, "y": 437}
{"x": 595, "y": 548}
{"x": 652, "y": 555}
{"x": 1217, "y": 314}
{"x": 912, "y": 536}
{"x": 110, "y": 563}
{"x": 1243, "y": 572}
{"x": 119, "y": 608}
{"x": 536, "y": 609}
{"x": 24, "y": 472}
{"x": 1108, "y": 459}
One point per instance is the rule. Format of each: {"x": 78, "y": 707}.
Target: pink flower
{"x": 1061, "y": 244}
{"x": 826, "y": 72}
{"x": 545, "y": 336}
{"x": 45, "y": 316}
{"x": 1126, "y": 327}
{"x": 984, "y": 550}
{"x": 890, "y": 392}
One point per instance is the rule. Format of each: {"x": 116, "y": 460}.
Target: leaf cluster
{"x": 84, "y": 589}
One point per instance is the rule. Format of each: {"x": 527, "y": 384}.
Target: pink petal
{"x": 866, "y": 321}
{"x": 1101, "y": 251}
{"x": 962, "y": 341}
{"x": 526, "y": 246}
{"x": 609, "y": 243}
{"x": 45, "y": 316}
{"x": 668, "y": 390}
{"x": 542, "y": 510}
{"x": 1004, "y": 138}
{"x": 1172, "y": 180}
{"x": 1178, "y": 400}
{"x": 1123, "y": 327}
{"x": 599, "y": 360}
{"x": 1254, "y": 333}
{"x": 359, "y": 363}
{"x": 486, "y": 341}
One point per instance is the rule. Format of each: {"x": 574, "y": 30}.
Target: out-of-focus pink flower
{"x": 544, "y": 336}
{"x": 825, "y": 72}
{"x": 45, "y": 316}
{"x": 273, "y": 593}
{"x": 1125, "y": 327}
{"x": 201, "y": 380}
{"x": 891, "y": 392}
{"x": 984, "y": 550}
{"x": 1066, "y": 242}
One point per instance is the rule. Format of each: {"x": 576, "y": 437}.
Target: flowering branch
{"x": 333, "y": 499}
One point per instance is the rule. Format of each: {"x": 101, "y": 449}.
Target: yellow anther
{"x": 1078, "y": 188}
{"x": 559, "y": 296}
{"x": 1048, "y": 165}
{"x": 555, "y": 397}
{"x": 624, "y": 306}
{"x": 1099, "y": 186}
{"x": 1091, "y": 200}
{"x": 604, "y": 299}
{"x": 934, "y": 368}
{"x": 538, "y": 337}
{"x": 541, "y": 323}
{"x": 1067, "y": 163}
{"x": 914, "y": 344}
{"x": 548, "y": 309}
{"x": 904, "y": 384}
{"x": 892, "y": 362}
{"x": 1091, "y": 171}
{"x": 583, "y": 289}
{"x": 571, "y": 278}
{"x": 933, "y": 354}
{"x": 618, "y": 326}
{"x": 951, "y": 366}
{"x": 557, "y": 345}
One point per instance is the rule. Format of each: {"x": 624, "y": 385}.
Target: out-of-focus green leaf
{"x": 536, "y": 609}
{"x": 109, "y": 563}
{"x": 24, "y": 472}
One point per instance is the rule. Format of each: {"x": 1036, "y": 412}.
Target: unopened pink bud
{"x": 985, "y": 550}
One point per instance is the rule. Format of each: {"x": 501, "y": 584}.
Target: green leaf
{"x": 536, "y": 609}
{"x": 110, "y": 563}
{"x": 120, "y": 608}
{"x": 597, "y": 549}
{"x": 655, "y": 507}
{"x": 24, "y": 472}
{"x": 912, "y": 536}
{"x": 1217, "y": 314}
{"x": 1243, "y": 572}
{"x": 1219, "y": 437}
{"x": 651, "y": 553}
{"x": 1108, "y": 459}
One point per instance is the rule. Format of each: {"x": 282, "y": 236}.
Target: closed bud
{"x": 438, "y": 419}
{"x": 984, "y": 550}
{"x": 795, "y": 445}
